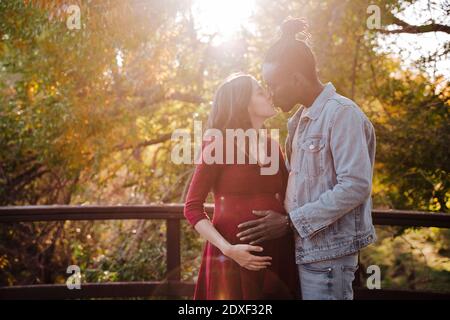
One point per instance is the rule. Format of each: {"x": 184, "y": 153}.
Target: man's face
{"x": 282, "y": 86}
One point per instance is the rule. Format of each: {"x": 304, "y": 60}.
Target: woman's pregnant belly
{"x": 231, "y": 210}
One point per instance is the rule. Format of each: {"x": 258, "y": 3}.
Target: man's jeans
{"x": 330, "y": 279}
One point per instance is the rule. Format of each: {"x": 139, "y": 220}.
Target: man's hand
{"x": 270, "y": 226}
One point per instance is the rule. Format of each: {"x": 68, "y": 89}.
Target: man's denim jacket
{"x": 333, "y": 178}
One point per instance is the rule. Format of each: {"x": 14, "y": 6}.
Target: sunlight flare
{"x": 222, "y": 17}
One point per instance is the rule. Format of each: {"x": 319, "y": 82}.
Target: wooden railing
{"x": 172, "y": 286}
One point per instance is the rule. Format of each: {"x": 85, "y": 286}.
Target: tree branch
{"x": 413, "y": 29}
{"x": 145, "y": 143}
{"x": 184, "y": 97}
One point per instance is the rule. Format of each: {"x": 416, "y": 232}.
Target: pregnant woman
{"x": 230, "y": 267}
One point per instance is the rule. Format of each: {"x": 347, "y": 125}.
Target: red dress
{"x": 238, "y": 189}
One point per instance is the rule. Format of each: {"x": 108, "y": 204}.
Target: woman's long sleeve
{"x": 202, "y": 183}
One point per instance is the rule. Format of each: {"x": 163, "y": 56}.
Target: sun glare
{"x": 224, "y": 17}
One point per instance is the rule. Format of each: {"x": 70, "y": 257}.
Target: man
{"x": 330, "y": 153}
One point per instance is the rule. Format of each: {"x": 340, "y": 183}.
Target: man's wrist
{"x": 289, "y": 223}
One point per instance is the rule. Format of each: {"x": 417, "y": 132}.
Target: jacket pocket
{"x": 317, "y": 270}
{"x": 313, "y": 157}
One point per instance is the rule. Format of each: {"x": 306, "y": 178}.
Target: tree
{"x": 86, "y": 115}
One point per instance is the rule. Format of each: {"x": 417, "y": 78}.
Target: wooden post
{"x": 173, "y": 257}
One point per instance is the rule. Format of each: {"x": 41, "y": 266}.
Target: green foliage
{"x": 77, "y": 127}
{"x": 413, "y": 130}
{"x": 414, "y": 259}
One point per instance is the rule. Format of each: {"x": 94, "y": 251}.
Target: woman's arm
{"x": 239, "y": 253}
{"x": 203, "y": 180}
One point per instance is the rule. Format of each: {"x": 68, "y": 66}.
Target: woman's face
{"x": 260, "y": 105}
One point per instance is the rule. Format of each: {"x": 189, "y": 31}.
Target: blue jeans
{"x": 329, "y": 279}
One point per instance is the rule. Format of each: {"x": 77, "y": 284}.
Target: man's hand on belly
{"x": 271, "y": 225}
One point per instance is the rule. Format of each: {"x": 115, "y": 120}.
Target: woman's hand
{"x": 241, "y": 254}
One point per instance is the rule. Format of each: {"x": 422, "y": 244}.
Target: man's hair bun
{"x": 292, "y": 26}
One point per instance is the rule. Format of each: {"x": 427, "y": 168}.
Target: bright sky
{"x": 222, "y": 16}
{"x": 225, "y": 17}
{"x": 410, "y": 47}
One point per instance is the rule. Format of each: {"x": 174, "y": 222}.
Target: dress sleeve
{"x": 203, "y": 181}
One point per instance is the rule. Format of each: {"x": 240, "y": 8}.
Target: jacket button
{"x": 330, "y": 274}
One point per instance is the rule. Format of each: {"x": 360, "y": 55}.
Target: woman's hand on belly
{"x": 241, "y": 254}
{"x": 271, "y": 225}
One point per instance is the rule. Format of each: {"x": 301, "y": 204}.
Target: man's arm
{"x": 354, "y": 176}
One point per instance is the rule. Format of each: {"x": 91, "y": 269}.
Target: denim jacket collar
{"x": 316, "y": 108}
{"x": 312, "y": 112}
